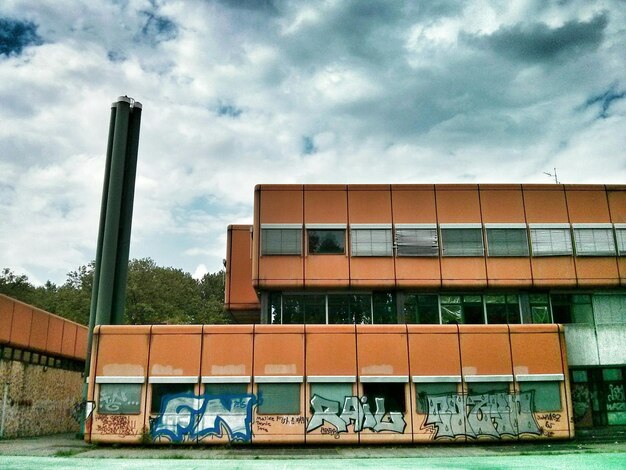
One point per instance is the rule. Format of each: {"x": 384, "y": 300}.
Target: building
{"x": 42, "y": 358}
{"x": 391, "y": 313}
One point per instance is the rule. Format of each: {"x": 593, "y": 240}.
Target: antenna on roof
{"x": 553, "y": 175}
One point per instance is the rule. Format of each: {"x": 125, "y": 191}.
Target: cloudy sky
{"x": 236, "y": 93}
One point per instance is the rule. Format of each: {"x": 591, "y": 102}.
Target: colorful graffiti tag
{"x": 186, "y": 417}
{"x": 354, "y": 411}
{"x": 491, "y": 414}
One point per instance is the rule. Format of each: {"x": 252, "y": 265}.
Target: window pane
{"x": 221, "y": 389}
{"x": 451, "y": 314}
{"x": 621, "y": 240}
{"x": 507, "y": 242}
{"x": 162, "y": 391}
{"x": 547, "y": 395}
{"x": 392, "y": 393}
{"x": 293, "y": 309}
{"x": 422, "y": 309}
{"x": 119, "y": 399}
{"x": 385, "y": 311}
{"x": 462, "y": 242}
{"x": 479, "y": 388}
{"x": 579, "y": 375}
{"x": 279, "y": 399}
{"x": 327, "y": 241}
{"x": 417, "y": 242}
{"x": 349, "y": 308}
{"x": 371, "y": 242}
{"x": 567, "y": 308}
{"x": 473, "y": 314}
{"x": 594, "y": 241}
{"x": 502, "y": 309}
{"x": 546, "y": 242}
{"x": 612, "y": 375}
{"x": 425, "y": 390}
{"x": 281, "y": 241}
{"x": 273, "y": 305}
{"x": 332, "y": 391}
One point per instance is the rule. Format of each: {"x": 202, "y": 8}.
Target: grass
{"x": 68, "y": 452}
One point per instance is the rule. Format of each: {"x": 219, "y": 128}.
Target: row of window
{"x": 15, "y": 354}
{"x": 444, "y": 308}
{"x": 460, "y": 240}
{"x": 284, "y": 398}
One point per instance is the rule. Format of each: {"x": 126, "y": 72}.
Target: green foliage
{"x": 154, "y": 295}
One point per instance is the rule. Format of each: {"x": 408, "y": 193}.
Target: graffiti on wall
{"x": 355, "y": 412}
{"x": 489, "y": 414}
{"x": 117, "y": 425}
{"x": 188, "y": 417}
{"x": 616, "y": 399}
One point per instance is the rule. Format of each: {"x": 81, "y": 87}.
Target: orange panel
{"x": 227, "y": 353}
{"x": 374, "y": 271}
{"x": 622, "y": 270}
{"x": 282, "y": 206}
{"x": 457, "y": 272}
{"x": 325, "y": 205}
{"x": 382, "y": 350}
{"x": 485, "y": 350}
{"x": 502, "y": 205}
{"x": 327, "y": 270}
{"x": 617, "y": 203}
{"x": 281, "y": 271}
{"x": 175, "y": 350}
{"x": 39, "y": 330}
{"x": 418, "y": 272}
{"x": 553, "y": 271}
{"x": 545, "y": 205}
{"x": 69, "y": 339}
{"x": 239, "y": 290}
{"x": 458, "y": 203}
{"x": 279, "y": 354}
{"x": 80, "y": 350}
{"x": 20, "y": 328}
{"x": 434, "y": 353}
{"x": 413, "y": 204}
{"x": 114, "y": 358}
{"x": 536, "y": 352}
{"x": 587, "y": 206}
{"x": 509, "y": 272}
{"x": 55, "y": 335}
{"x": 331, "y": 354}
{"x": 369, "y": 204}
{"x": 6, "y": 318}
{"x": 598, "y": 271}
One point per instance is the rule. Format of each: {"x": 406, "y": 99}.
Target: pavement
{"x": 591, "y": 449}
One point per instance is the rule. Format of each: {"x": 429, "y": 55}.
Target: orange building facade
{"x": 391, "y": 313}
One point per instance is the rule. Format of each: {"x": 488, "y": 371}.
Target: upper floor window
{"x": 462, "y": 240}
{"x": 417, "y": 241}
{"x": 371, "y": 241}
{"x": 594, "y": 241}
{"x": 507, "y": 241}
{"x": 551, "y": 240}
{"x": 326, "y": 241}
{"x": 620, "y": 235}
{"x": 571, "y": 308}
{"x": 281, "y": 240}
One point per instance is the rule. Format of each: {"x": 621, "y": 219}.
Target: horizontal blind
{"x": 462, "y": 241}
{"x": 507, "y": 242}
{"x": 281, "y": 241}
{"x": 594, "y": 241}
{"x": 621, "y": 241}
{"x": 551, "y": 241}
{"x": 417, "y": 242}
{"x": 371, "y": 242}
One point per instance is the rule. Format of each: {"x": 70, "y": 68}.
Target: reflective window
{"x": 304, "y": 308}
{"x": 332, "y": 391}
{"x": 502, "y": 308}
{"x": 546, "y": 395}
{"x": 462, "y": 241}
{"x": 421, "y": 308}
{"x": 507, "y": 242}
{"x": 385, "y": 309}
{"x": 281, "y": 241}
{"x": 551, "y": 241}
{"x": 326, "y": 242}
{"x": 282, "y": 398}
{"x": 571, "y": 308}
{"x": 349, "y": 308}
{"x": 119, "y": 399}
{"x": 462, "y": 309}
{"x": 539, "y": 308}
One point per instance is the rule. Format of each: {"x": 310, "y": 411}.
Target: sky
{"x": 237, "y": 93}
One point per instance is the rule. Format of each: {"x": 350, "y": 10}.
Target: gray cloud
{"x": 15, "y": 35}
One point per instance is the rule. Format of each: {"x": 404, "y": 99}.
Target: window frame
{"x": 354, "y": 250}
{"x": 620, "y": 239}
{"x": 447, "y": 228}
{"x": 267, "y": 228}
{"x": 535, "y": 245}
{"x": 511, "y": 227}
{"x": 325, "y": 228}
{"x": 432, "y": 228}
{"x": 606, "y": 228}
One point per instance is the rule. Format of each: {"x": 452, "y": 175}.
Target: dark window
{"x": 350, "y": 308}
{"x": 392, "y": 393}
{"x": 462, "y": 241}
{"x": 326, "y": 242}
{"x": 507, "y": 242}
{"x": 161, "y": 391}
{"x": 119, "y": 399}
{"x": 421, "y": 308}
{"x": 384, "y": 304}
{"x": 417, "y": 242}
{"x": 572, "y": 308}
{"x": 281, "y": 241}
{"x": 279, "y": 399}
{"x": 220, "y": 389}
{"x": 425, "y": 390}
{"x": 502, "y": 308}
{"x": 301, "y": 308}
{"x": 539, "y": 308}
{"x": 462, "y": 309}
{"x": 480, "y": 388}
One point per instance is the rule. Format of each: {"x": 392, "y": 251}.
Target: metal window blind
{"x": 417, "y": 242}
{"x": 551, "y": 241}
{"x": 507, "y": 242}
{"x": 462, "y": 241}
{"x": 281, "y": 398}
{"x": 594, "y": 241}
{"x": 281, "y": 241}
{"x": 621, "y": 241}
{"x": 371, "y": 242}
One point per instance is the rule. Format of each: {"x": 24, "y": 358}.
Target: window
{"x": 371, "y": 242}
{"x": 462, "y": 241}
{"x": 421, "y": 308}
{"x": 281, "y": 241}
{"x": 332, "y": 391}
{"x": 384, "y": 308}
{"x": 326, "y": 242}
{"x": 391, "y": 393}
{"x": 594, "y": 242}
{"x": 572, "y": 308}
{"x": 551, "y": 241}
{"x": 507, "y": 242}
{"x": 303, "y": 308}
{"x": 349, "y": 308}
{"x": 620, "y": 235}
{"x": 546, "y": 395}
{"x": 462, "y": 309}
{"x": 221, "y": 389}
{"x": 502, "y": 308}
{"x": 121, "y": 399}
{"x": 417, "y": 242}
{"x": 275, "y": 399}
{"x": 425, "y": 390}
{"x": 481, "y": 388}
{"x": 161, "y": 391}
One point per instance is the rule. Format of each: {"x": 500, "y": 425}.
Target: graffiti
{"x": 489, "y": 414}
{"x": 119, "y": 425}
{"x": 615, "y": 400}
{"x": 120, "y": 398}
{"x": 355, "y": 411}
{"x": 263, "y": 423}
{"x": 187, "y": 417}
{"x": 548, "y": 420}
